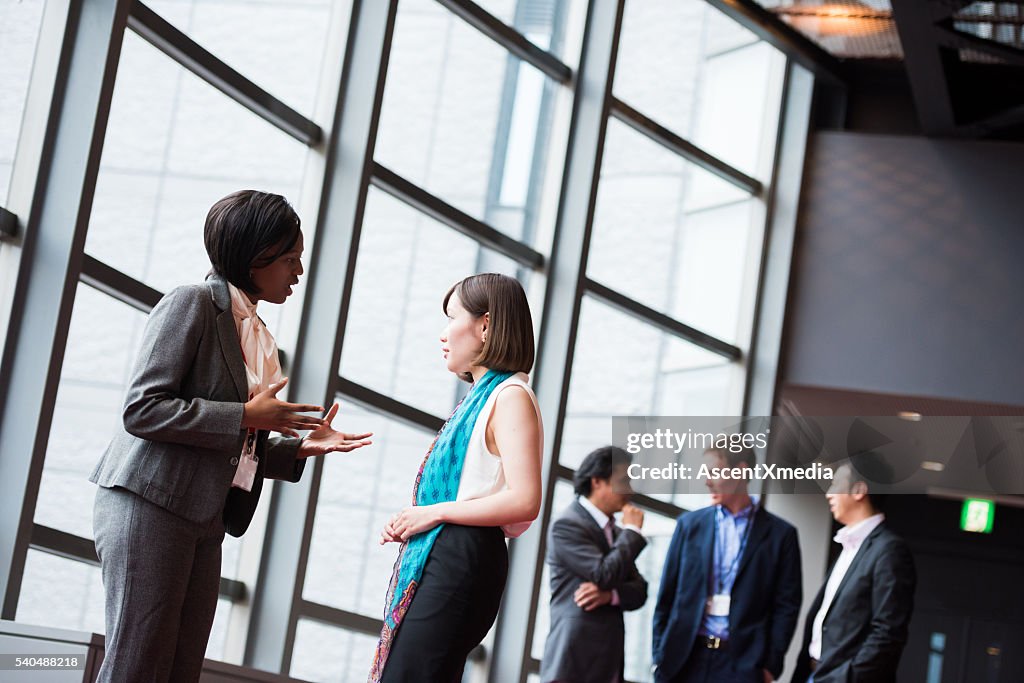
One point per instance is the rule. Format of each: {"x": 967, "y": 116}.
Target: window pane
{"x": 173, "y": 147}
{"x": 623, "y": 366}
{"x": 19, "y": 32}
{"x": 327, "y": 653}
{"x": 684, "y": 64}
{"x": 279, "y": 44}
{"x": 548, "y": 24}
{"x": 542, "y": 625}
{"x": 359, "y": 492}
{"x": 673, "y": 236}
{"x": 465, "y": 120}
{"x": 97, "y": 366}
{"x": 406, "y": 264}
{"x": 219, "y": 632}
{"x": 61, "y": 593}
{"x": 658, "y": 531}
{"x": 737, "y": 107}
{"x": 231, "y": 551}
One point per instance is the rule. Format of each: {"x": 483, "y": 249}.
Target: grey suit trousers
{"x": 161, "y": 576}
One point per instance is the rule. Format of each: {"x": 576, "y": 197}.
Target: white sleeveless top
{"x": 482, "y": 472}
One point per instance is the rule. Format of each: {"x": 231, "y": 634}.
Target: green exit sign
{"x": 977, "y": 515}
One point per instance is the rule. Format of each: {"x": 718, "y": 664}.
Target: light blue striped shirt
{"x": 731, "y": 535}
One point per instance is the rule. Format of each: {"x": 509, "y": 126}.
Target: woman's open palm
{"x": 324, "y": 439}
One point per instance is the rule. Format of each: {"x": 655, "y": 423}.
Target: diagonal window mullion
{"x": 408, "y": 192}
{"x": 509, "y": 38}
{"x": 658, "y": 319}
{"x": 80, "y": 549}
{"x": 391, "y": 407}
{"x": 674, "y": 143}
{"x": 157, "y": 31}
{"x": 113, "y": 282}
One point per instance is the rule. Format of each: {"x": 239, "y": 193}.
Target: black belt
{"x": 814, "y": 665}
{"x": 711, "y": 642}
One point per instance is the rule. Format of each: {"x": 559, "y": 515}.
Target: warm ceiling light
{"x": 909, "y": 415}
{"x": 835, "y": 19}
{"x": 932, "y": 466}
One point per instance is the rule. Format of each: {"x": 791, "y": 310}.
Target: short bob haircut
{"x": 509, "y": 344}
{"x": 599, "y": 464}
{"x": 249, "y": 229}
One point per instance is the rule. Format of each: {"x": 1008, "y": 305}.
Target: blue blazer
{"x": 765, "y": 597}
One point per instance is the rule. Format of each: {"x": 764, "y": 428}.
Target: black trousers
{"x": 711, "y": 666}
{"x": 454, "y": 606}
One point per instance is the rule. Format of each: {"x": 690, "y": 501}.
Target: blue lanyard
{"x": 719, "y": 550}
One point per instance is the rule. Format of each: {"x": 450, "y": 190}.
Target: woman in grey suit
{"x": 189, "y": 463}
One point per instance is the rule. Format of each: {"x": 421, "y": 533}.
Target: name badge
{"x": 245, "y": 474}
{"x": 718, "y": 605}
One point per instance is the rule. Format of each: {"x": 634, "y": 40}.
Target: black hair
{"x": 598, "y": 464}
{"x": 509, "y": 346}
{"x": 249, "y": 229}
{"x": 870, "y": 468}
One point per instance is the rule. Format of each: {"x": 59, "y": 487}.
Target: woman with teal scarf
{"x": 479, "y": 482}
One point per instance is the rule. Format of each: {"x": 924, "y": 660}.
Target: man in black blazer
{"x": 593, "y": 574}
{"x": 857, "y": 626}
{"x": 731, "y": 588}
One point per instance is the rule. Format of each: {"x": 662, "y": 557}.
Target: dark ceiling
{"x": 943, "y": 447}
{"x": 958, "y": 64}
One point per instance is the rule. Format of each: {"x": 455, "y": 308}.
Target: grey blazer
{"x": 587, "y": 647}
{"x": 182, "y": 422}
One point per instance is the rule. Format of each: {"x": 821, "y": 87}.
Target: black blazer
{"x": 182, "y": 421}
{"x": 588, "y": 646}
{"x": 867, "y": 623}
{"x": 765, "y": 596}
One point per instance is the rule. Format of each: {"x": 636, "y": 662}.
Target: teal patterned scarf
{"x": 437, "y": 482}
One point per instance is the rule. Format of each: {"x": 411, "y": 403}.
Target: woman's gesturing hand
{"x": 411, "y": 521}
{"x": 266, "y": 411}
{"x": 325, "y": 440}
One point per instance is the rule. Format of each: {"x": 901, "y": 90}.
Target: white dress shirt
{"x": 851, "y": 538}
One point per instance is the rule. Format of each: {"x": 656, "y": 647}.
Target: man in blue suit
{"x": 730, "y": 590}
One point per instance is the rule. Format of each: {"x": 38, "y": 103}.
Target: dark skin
{"x": 274, "y": 283}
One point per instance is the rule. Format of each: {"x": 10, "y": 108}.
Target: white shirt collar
{"x": 599, "y": 517}
{"x": 851, "y": 537}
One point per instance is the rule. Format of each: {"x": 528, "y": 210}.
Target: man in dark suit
{"x": 731, "y": 588}
{"x": 857, "y": 626}
{"x": 593, "y": 574}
